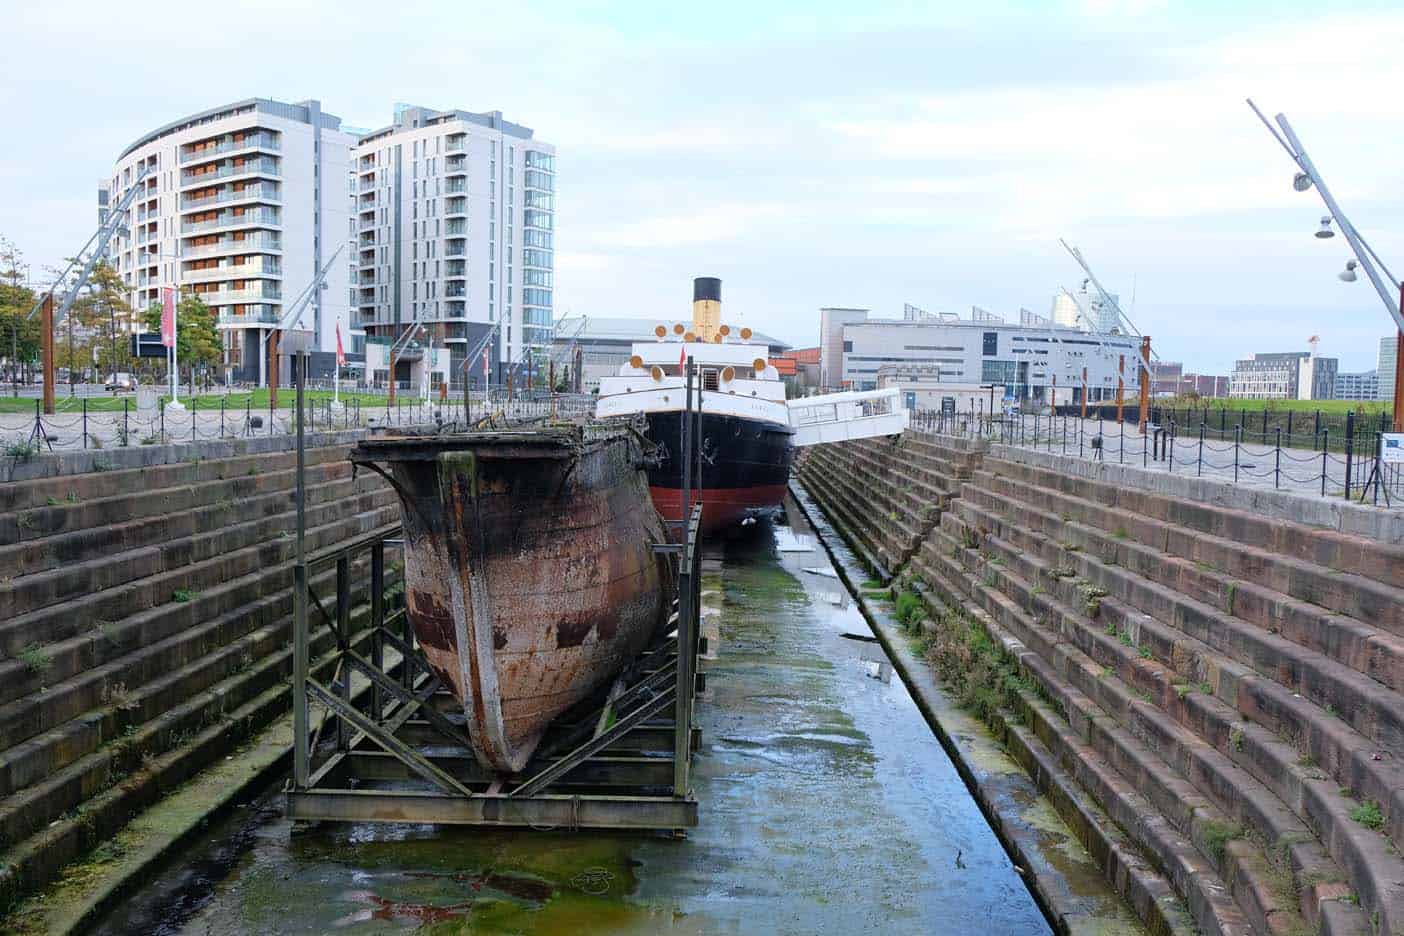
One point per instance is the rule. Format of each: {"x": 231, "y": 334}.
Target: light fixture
{"x": 1325, "y": 232}
{"x": 1301, "y": 182}
{"x": 1348, "y": 274}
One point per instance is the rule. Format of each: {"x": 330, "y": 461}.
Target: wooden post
{"x": 1120, "y": 385}
{"x": 46, "y": 349}
{"x": 1144, "y": 374}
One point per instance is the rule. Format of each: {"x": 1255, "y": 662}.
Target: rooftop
{"x": 301, "y": 111}
{"x": 413, "y": 116}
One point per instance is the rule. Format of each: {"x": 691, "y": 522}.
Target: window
{"x": 991, "y": 344}
{"x": 847, "y": 346}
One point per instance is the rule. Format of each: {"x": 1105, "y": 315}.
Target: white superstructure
{"x": 241, "y": 204}
{"x": 454, "y": 221}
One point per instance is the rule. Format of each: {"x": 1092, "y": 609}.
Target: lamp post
{"x": 1365, "y": 257}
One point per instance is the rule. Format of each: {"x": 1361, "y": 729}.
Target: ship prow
{"x": 530, "y": 577}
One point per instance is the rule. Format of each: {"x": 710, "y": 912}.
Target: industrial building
{"x": 454, "y": 228}
{"x": 1287, "y": 375}
{"x": 242, "y": 205}
{"x": 1030, "y": 362}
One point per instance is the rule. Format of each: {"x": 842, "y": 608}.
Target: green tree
{"x": 197, "y": 339}
{"x": 102, "y": 312}
{"x": 19, "y": 334}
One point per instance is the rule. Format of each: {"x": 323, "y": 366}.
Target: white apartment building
{"x": 1364, "y": 386}
{"x": 1029, "y": 363}
{"x": 241, "y": 204}
{"x": 454, "y": 222}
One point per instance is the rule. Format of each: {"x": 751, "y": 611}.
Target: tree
{"x": 197, "y": 339}
{"x": 104, "y": 312}
{"x": 19, "y": 334}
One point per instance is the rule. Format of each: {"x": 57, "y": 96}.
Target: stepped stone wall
{"x": 145, "y": 625}
{"x": 1214, "y": 691}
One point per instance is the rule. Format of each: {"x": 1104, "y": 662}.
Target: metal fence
{"x": 206, "y": 419}
{"x": 1353, "y": 470}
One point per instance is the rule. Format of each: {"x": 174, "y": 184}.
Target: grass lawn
{"x": 210, "y": 401}
{"x": 1331, "y": 407}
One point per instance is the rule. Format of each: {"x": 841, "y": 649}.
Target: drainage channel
{"x": 827, "y": 805}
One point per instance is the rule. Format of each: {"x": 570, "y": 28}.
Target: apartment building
{"x": 454, "y": 225}
{"x": 241, "y": 204}
{"x": 1386, "y": 368}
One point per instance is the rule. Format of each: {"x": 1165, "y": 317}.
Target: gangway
{"x": 845, "y": 416}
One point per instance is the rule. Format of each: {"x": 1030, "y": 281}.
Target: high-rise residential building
{"x": 454, "y": 223}
{"x": 1364, "y": 387}
{"x": 241, "y": 204}
{"x": 1389, "y": 357}
{"x": 1289, "y": 375}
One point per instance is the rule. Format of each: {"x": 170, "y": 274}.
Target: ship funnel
{"x": 706, "y": 306}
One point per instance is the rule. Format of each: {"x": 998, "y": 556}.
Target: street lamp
{"x": 1365, "y": 256}
{"x": 1325, "y": 233}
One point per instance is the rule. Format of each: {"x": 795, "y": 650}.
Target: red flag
{"x": 340, "y": 353}
{"x": 168, "y": 336}
{"x": 682, "y": 358}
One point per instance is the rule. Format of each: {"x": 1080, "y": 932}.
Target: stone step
{"x": 92, "y": 629}
{"x": 1095, "y": 658}
{"x": 1196, "y": 652}
{"x": 139, "y": 685}
{"x": 1176, "y": 855}
{"x": 1286, "y": 551}
{"x": 146, "y": 547}
{"x": 29, "y": 808}
{"x": 107, "y": 498}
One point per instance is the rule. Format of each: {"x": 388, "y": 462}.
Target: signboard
{"x": 1392, "y": 447}
{"x": 948, "y": 406}
{"x": 148, "y": 345}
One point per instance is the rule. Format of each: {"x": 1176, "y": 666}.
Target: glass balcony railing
{"x": 265, "y": 165}
{"x": 453, "y": 186}
{"x": 455, "y": 229}
{"x": 263, "y": 191}
{"x": 233, "y": 245}
{"x": 267, "y": 141}
{"x": 264, "y": 216}
{"x": 256, "y": 315}
{"x": 232, "y": 271}
{"x": 248, "y": 294}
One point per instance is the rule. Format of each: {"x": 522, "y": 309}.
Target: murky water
{"x": 827, "y": 806}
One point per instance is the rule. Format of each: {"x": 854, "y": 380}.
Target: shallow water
{"x": 827, "y": 806}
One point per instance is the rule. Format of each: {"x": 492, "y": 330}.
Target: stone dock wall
{"x": 1212, "y": 679}
{"x": 145, "y": 624}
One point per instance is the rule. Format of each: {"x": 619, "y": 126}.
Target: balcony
{"x": 265, "y": 191}
{"x": 367, "y": 182}
{"x": 263, "y": 166}
{"x": 236, "y": 296}
{"x": 232, "y": 245}
{"x": 366, "y": 222}
{"x": 455, "y": 268}
{"x": 267, "y": 141}
{"x": 453, "y": 249}
{"x": 456, "y": 165}
{"x": 230, "y": 219}
{"x": 456, "y": 206}
{"x": 455, "y": 186}
{"x": 454, "y": 144}
{"x": 455, "y": 291}
{"x": 254, "y": 268}
{"x": 456, "y": 228}
{"x": 254, "y": 315}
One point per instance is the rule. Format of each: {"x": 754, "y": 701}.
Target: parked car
{"x": 121, "y": 381}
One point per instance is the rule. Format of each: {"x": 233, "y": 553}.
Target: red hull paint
{"x": 721, "y": 507}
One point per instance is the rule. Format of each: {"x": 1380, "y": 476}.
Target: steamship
{"x": 746, "y": 439}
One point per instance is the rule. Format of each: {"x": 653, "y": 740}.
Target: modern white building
{"x": 1029, "y": 363}
{"x": 241, "y": 204}
{"x": 1285, "y": 375}
{"x": 1085, "y": 311}
{"x": 454, "y": 221}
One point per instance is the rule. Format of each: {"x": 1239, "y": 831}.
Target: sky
{"x": 816, "y": 153}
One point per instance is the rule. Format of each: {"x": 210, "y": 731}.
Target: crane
{"x": 94, "y": 249}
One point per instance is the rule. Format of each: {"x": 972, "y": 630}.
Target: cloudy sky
{"x": 813, "y": 153}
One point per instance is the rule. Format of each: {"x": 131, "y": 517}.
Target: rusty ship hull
{"x": 530, "y": 577}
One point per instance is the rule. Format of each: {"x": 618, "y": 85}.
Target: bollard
{"x": 1349, "y": 449}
